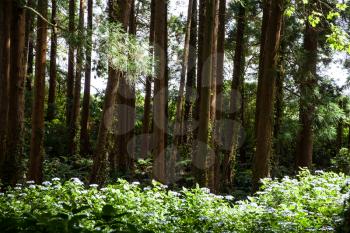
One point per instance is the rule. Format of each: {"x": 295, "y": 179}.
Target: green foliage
{"x": 307, "y": 203}
{"x": 123, "y": 51}
{"x": 341, "y": 163}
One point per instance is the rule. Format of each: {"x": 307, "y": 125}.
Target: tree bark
{"x": 70, "y": 74}
{"x": 307, "y": 88}
{"x": 266, "y": 14}
{"x": 200, "y": 63}
{"x": 148, "y": 92}
{"x": 36, "y": 145}
{"x": 73, "y": 139}
{"x": 85, "y": 146}
{"x": 279, "y": 105}
{"x": 119, "y": 11}
{"x": 266, "y": 96}
{"x": 191, "y": 77}
{"x": 219, "y": 93}
{"x": 6, "y": 15}
{"x": 51, "y": 103}
{"x": 29, "y": 44}
{"x": 178, "y": 125}
{"x": 232, "y": 132}
{"x": 200, "y": 163}
{"x": 14, "y": 148}
{"x": 160, "y": 92}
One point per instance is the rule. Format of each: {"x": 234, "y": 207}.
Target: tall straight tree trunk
{"x": 178, "y": 126}
{"x": 71, "y": 64}
{"x": 214, "y": 63}
{"x": 232, "y": 131}
{"x": 200, "y": 162}
{"x": 51, "y": 103}
{"x": 85, "y": 147}
{"x": 265, "y": 20}
{"x": 279, "y": 105}
{"x": 307, "y": 88}
{"x": 219, "y": 92}
{"x": 29, "y": 43}
{"x": 6, "y": 15}
{"x": 200, "y": 64}
{"x": 36, "y": 146}
{"x": 160, "y": 92}
{"x": 14, "y": 148}
{"x": 122, "y": 158}
{"x": 191, "y": 76}
{"x": 148, "y": 92}
{"x": 119, "y": 11}
{"x": 266, "y": 96}
{"x": 73, "y": 139}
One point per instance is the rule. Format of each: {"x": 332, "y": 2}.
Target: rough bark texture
{"x": 200, "y": 63}
{"x": 14, "y": 148}
{"x": 51, "y": 103}
{"x": 307, "y": 88}
{"x": 74, "y": 127}
{"x": 29, "y": 38}
{"x": 122, "y": 157}
{"x": 266, "y": 14}
{"x": 160, "y": 92}
{"x": 214, "y": 63}
{"x": 200, "y": 163}
{"x": 71, "y": 64}
{"x": 178, "y": 126}
{"x": 85, "y": 146}
{"x": 279, "y": 106}
{"x": 36, "y": 145}
{"x": 146, "y": 121}
{"x": 118, "y": 11}
{"x": 6, "y": 12}
{"x": 232, "y": 132}
{"x": 191, "y": 77}
{"x": 219, "y": 93}
{"x": 266, "y": 95}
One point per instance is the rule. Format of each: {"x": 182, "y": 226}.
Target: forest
{"x": 174, "y": 116}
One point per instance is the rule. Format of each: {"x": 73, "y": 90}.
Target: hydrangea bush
{"x": 307, "y": 203}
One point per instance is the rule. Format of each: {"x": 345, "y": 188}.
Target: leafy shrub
{"x": 308, "y": 203}
{"x": 341, "y": 162}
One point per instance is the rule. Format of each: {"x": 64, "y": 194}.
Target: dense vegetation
{"x": 307, "y": 203}
{"x": 247, "y": 98}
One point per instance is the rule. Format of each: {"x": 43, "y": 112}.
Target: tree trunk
{"x": 178, "y": 125}
{"x": 307, "y": 88}
{"x": 122, "y": 157}
{"x": 70, "y": 75}
{"x": 232, "y": 132}
{"x": 219, "y": 93}
{"x": 200, "y": 63}
{"x": 14, "y": 148}
{"x": 279, "y": 106}
{"x": 148, "y": 92}
{"x": 191, "y": 77}
{"x": 119, "y": 11}
{"x": 36, "y": 145}
{"x": 6, "y": 15}
{"x": 266, "y": 96}
{"x": 51, "y": 103}
{"x": 160, "y": 92}
{"x": 200, "y": 162}
{"x": 265, "y": 20}
{"x": 85, "y": 147}
{"x": 29, "y": 43}
{"x": 214, "y": 63}
{"x": 73, "y": 139}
